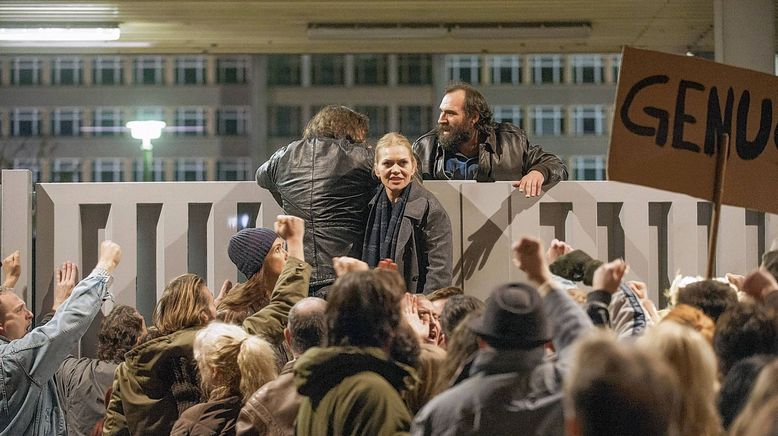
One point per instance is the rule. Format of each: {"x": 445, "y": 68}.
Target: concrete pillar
{"x": 210, "y": 169}
{"x": 744, "y": 32}
{"x": 45, "y": 71}
{"x": 86, "y": 70}
{"x": 258, "y": 146}
{"x": 168, "y": 70}
{"x": 5, "y": 126}
{"x": 567, "y": 69}
{"x": 210, "y": 70}
{"x": 348, "y": 70}
{"x": 127, "y": 64}
{"x": 5, "y": 72}
{"x": 392, "y": 73}
{"x": 169, "y": 168}
{"x": 486, "y": 64}
{"x": 86, "y": 170}
{"x": 305, "y": 71}
{"x": 526, "y": 70}
{"x": 607, "y": 71}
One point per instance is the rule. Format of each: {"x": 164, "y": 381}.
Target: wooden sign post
{"x": 718, "y": 190}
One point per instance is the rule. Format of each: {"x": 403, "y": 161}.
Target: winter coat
{"x": 145, "y": 391}
{"x": 505, "y": 154}
{"x": 327, "y": 183}
{"x": 424, "y": 250}
{"x": 350, "y": 391}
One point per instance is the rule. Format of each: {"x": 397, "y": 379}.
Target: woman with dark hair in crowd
{"x": 159, "y": 379}
{"x": 406, "y": 222}
{"x": 233, "y": 365}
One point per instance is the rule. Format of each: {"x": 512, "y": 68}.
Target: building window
{"x": 149, "y": 70}
{"x": 25, "y": 122}
{"x": 414, "y": 69}
{"x": 588, "y": 167}
{"x": 285, "y": 121}
{"x": 66, "y": 70}
{"x": 190, "y": 121}
{"x": 379, "y": 119}
{"x": 508, "y": 114}
{"x": 190, "y": 170}
{"x": 26, "y": 71}
{"x": 66, "y": 121}
{"x": 464, "y": 68}
{"x": 506, "y": 70}
{"x": 615, "y": 66}
{"x": 66, "y": 170}
{"x": 587, "y": 68}
{"x": 548, "y": 120}
{"x": 29, "y": 164}
{"x": 546, "y": 69}
{"x": 415, "y": 120}
{"x": 108, "y": 121}
{"x": 327, "y": 69}
{"x": 157, "y": 170}
{"x": 107, "y": 170}
{"x": 233, "y": 121}
{"x": 190, "y": 70}
{"x": 107, "y": 70}
{"x": 149, "y": 113}
{"x": 235, "y": 169}
{"x": 370, "y": 69}
{"x": 232, "y": 70}
{"x": 284, "y": 70}
{"x": 588, "y": 120}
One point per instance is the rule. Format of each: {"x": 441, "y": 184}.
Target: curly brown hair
{"x": 119, "y": 333}
{"x": 337, "y": 122}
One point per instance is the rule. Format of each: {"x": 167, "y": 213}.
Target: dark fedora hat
{"x": 513, "y": 318}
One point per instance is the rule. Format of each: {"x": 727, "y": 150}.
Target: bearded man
{"x": 468, "y": 145}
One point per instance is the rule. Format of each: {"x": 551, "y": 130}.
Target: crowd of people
{"x": 348, "y": 323}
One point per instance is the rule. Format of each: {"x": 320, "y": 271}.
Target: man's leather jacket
{"x": 327, "y": 183}
{"x": 505, "y": 154}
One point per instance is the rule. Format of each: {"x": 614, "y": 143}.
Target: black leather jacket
{"x": 505, "y": 154}
{"x": 328, "y": 184}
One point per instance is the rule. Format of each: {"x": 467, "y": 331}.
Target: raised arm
{"x": 291, "y": 287}
{"x": 43, "y": 349}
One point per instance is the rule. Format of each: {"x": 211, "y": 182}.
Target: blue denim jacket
{"x": 28, "y": 394}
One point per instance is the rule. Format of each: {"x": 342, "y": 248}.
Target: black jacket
{"x": 328, "y": 184}
{"x": 424, "y": 248}
{"x": 505, "y": 154}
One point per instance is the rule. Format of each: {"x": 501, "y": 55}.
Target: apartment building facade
{"x": 63, "y": 117}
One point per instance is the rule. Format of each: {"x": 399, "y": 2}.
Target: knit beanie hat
{"x": 576, "y": 266}
{"x": 248, "y": 248}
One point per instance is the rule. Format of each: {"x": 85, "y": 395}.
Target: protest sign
{"x": 670, "y": 116}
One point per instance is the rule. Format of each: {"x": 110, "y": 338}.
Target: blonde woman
{"x": 765, "y": 389}
{"x": 691, "y": 356}
{"x": 159, "y": 379}
{"x": 406, "y": 223}
{"x": 232, "y": 364}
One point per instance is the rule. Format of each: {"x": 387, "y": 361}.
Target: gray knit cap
{"x": 248, "y": 248}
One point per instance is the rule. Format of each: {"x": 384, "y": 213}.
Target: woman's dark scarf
{"x": 383, "y": 230}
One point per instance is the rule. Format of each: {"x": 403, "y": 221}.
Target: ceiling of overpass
{"x": 404, "y": 26}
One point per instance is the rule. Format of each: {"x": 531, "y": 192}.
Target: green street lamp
{"x": 146, "y": 131}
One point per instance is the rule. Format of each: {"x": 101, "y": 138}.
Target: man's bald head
{"x": 306, "y": 324}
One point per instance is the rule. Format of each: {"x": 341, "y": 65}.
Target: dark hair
{"x": 475, "y": 104}
{"x": 711, "y": 296}
{"x": 744, "y": 330}
{"x": 307, "y": 326}
{"x": 337, "y": 122}
{"x": 455, "y": 309}
{"x": 737, "y": 386}
{"x": 405, "y": 347}
{"x": 447, "y": 292}
{"x": 363, "y": 308}
{"x": 119, "y": 333}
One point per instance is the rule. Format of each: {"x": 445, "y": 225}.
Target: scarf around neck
{"x": 383, "y": 230}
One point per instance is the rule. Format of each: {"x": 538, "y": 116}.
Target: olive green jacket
{"x": 351, "y": 391}
{"x": 144, "y": 398}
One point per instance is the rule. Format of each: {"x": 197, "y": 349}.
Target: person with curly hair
{"x": 82, "y": 382}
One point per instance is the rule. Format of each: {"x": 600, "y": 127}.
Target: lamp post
{"x": 146, "y": 131}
